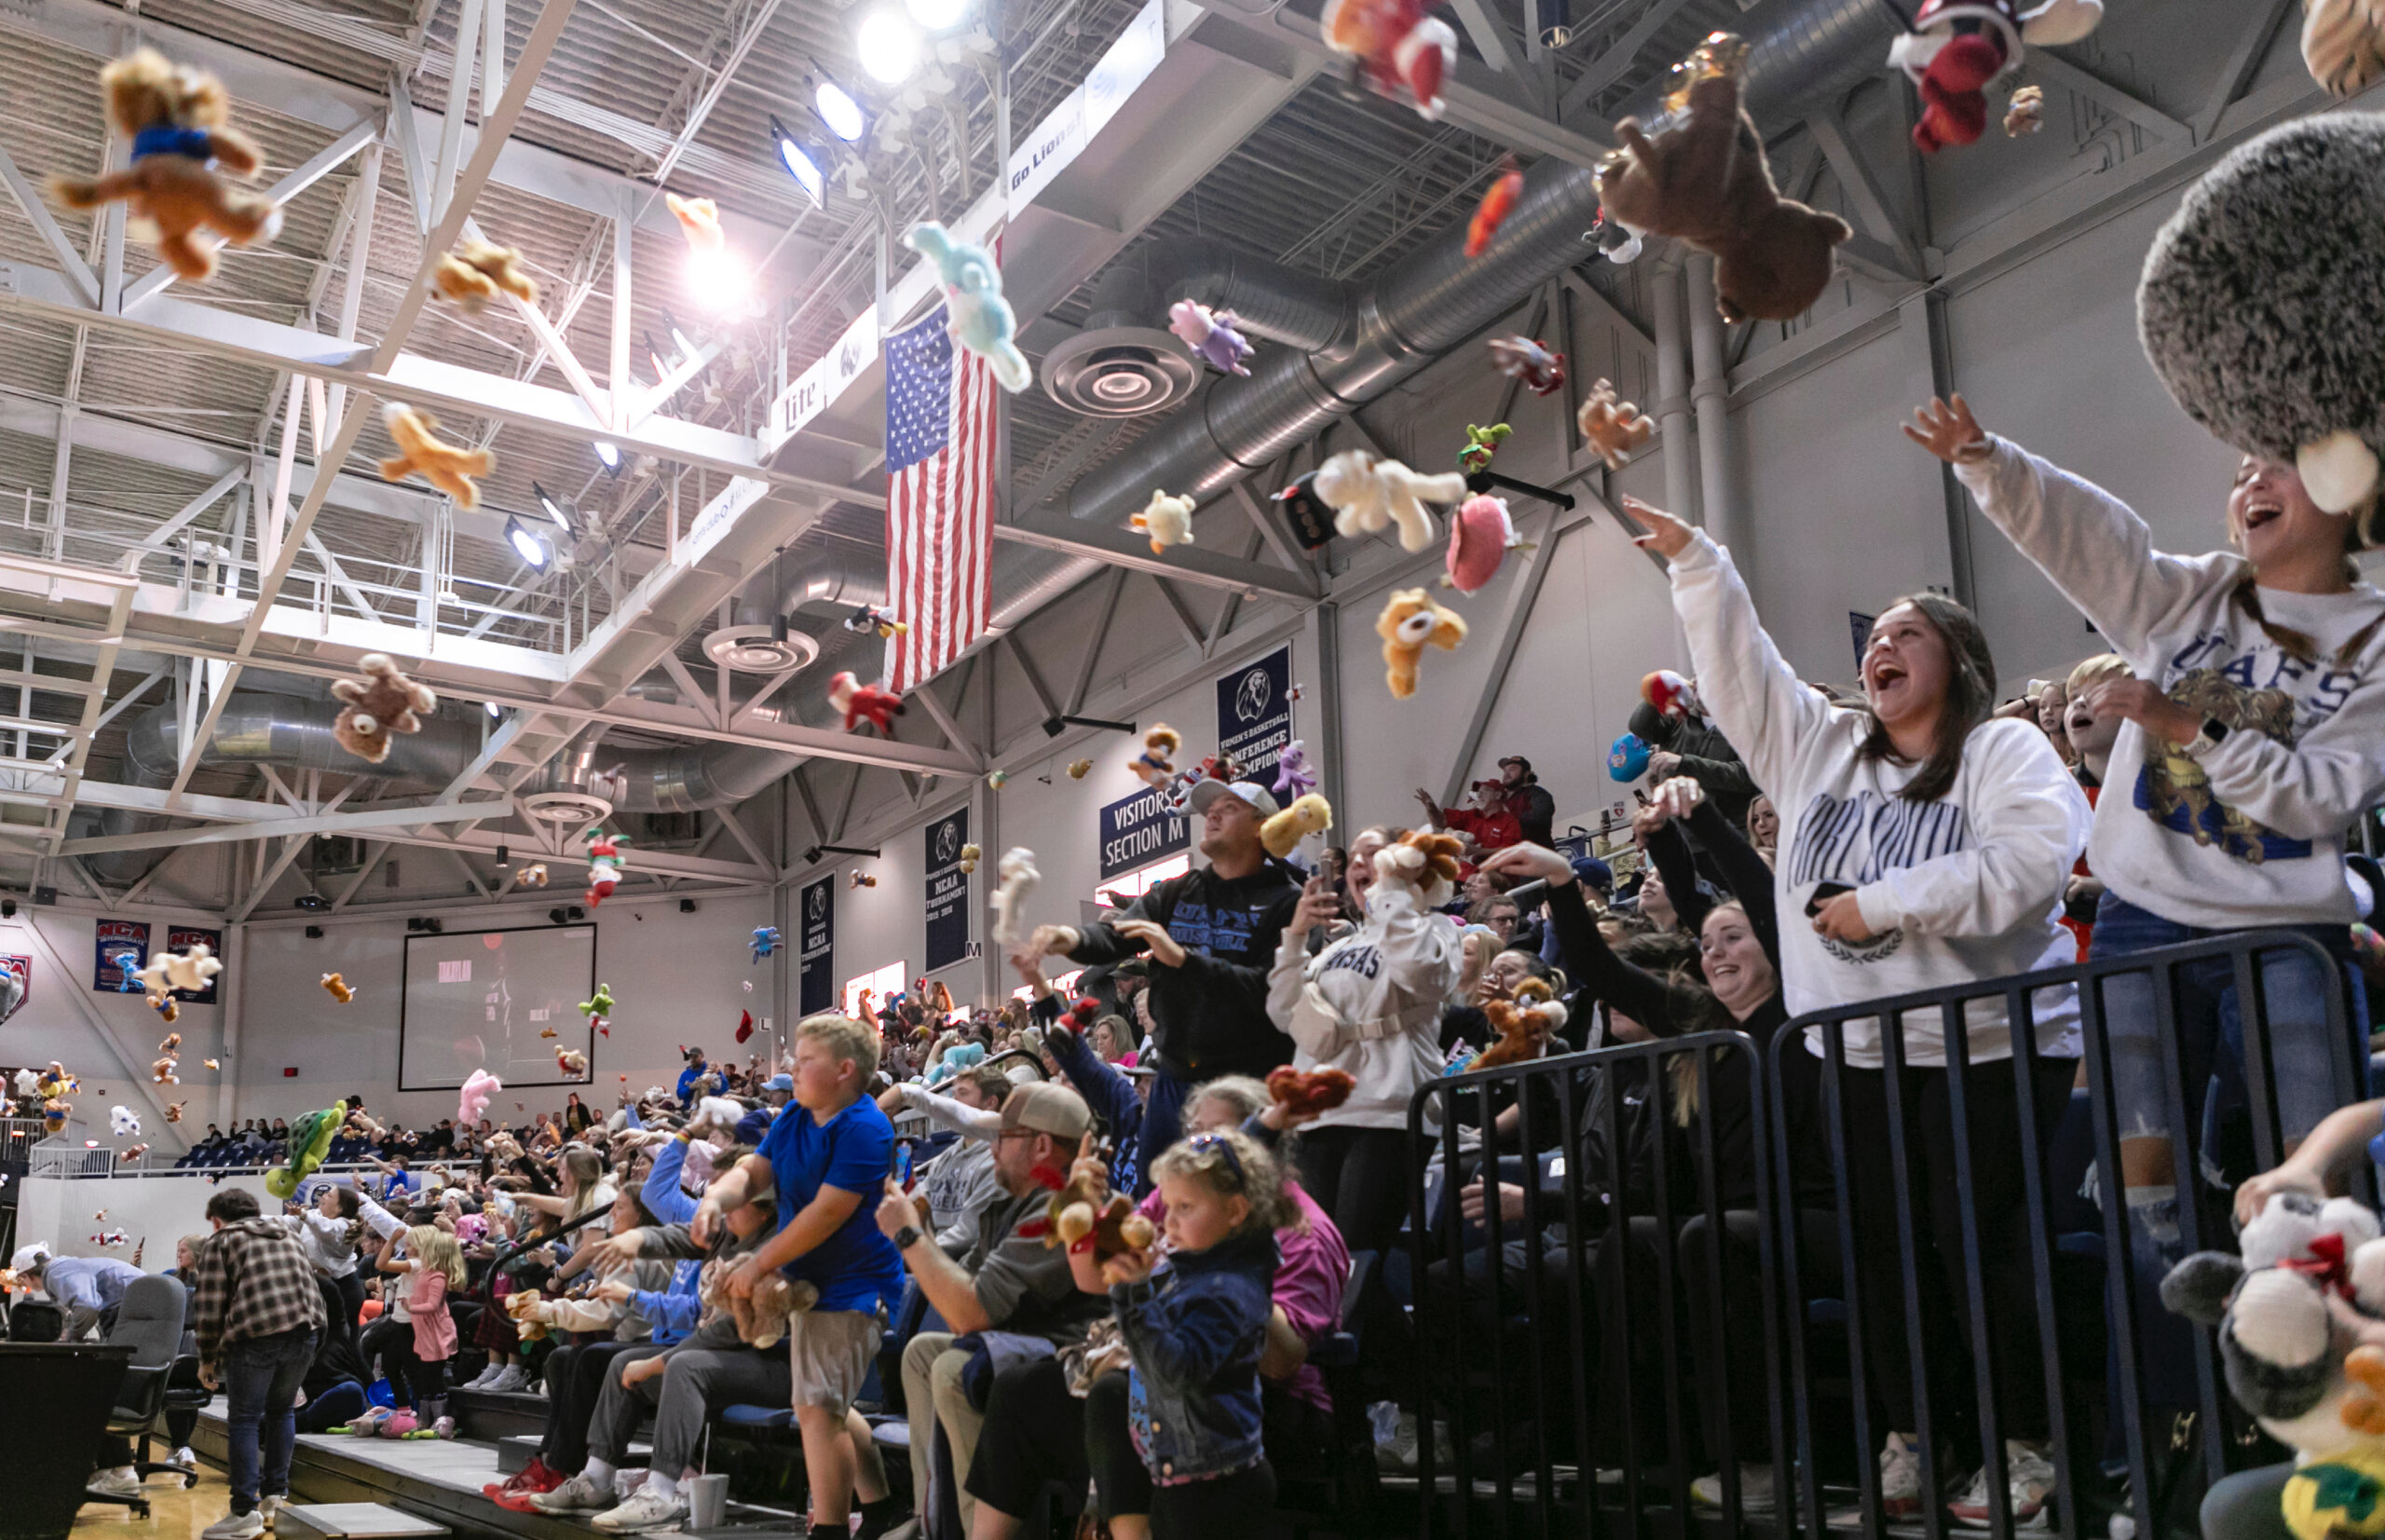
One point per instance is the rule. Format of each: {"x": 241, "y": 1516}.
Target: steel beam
{"x": 326, "y": 160}
{"x": 78, "y": 274}
{"x": 1183, "y": 563}
{"x": 338, "y": 823}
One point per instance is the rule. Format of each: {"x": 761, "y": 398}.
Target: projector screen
{"x": 481, "y": 1000}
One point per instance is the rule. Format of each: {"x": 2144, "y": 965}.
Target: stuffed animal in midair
{"x": 1408, "y": 622}
{"x": 766, "y": 941}
{"x": 2261, "y": 301}
{"x": 1615, "y": 428}
{"x": 698, "y": 221}
{"x": 978, "y": 317}
{"x": 1542, "y": 372}
{"x": 177, "y": 119}
{"x": 123, "y": 1120}
{"x": 2026, "y": 112}
{"x": 1080, "y": 768}
{"x": 1423, "y": 861}
{"x": 375, "y": 707}
{"x": 1016, "y": 877}
{"x": 1526, "y": 1020}
{"x": 54, "y": 1114}
{"x": 1294, "y": 775}
{"x": 174, "y": 1111}
{"x": 339, "y": 988}
{"x": 1158, "y": 761}
{"x": 2343, "y": 44}
{"x": 1958, "y": 47}
{"x": 1497, "y": 203}
{"x": 859, "y": 702}
{"x": 1168, "y": 521}
{"x": 1401, "y": 50}
{"x": 1705, "y": 181}
{"x": 1480, "y": 444}
{"x": 1283, "y": 830}
{"x": 599, "y": 1006}
{"x": 969, "y": 857}
{"x": 421, "y": 452}
{"x": 1368, "y": 496}
{"x": 311, "y": 1143}
{"x": 603, "y": 868}
{"x": 571, "y": 1061}
{"x": 862, "y": 880}
{"x": 1626, "y": 760}
{"x": 533, "y": 876}
{"x": 1481, "y": 534}
{"x": 475, "y": 273}
{"x": 1309, "y": 1092}
{"x": 54, "y": 1081}
{"x": 1673, "y": 696}
{"x": 744, "y": 1026}
{"x": 189, "y": 971}
{"x": 1212, "y": 334}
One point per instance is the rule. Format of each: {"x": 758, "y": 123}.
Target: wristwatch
{"x": 2212, "y": 733}
{"x": 906, "y": 1237}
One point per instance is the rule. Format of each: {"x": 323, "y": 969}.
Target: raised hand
{"x": 1949, "y": 431}
{"x": 1668, "y": 537}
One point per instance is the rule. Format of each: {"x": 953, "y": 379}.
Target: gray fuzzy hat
{"x": 2262, "y": 304}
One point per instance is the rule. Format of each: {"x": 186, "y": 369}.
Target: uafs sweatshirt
{"x": 1965, "y": 887}
{"x": 2249, "y": 831}
{"x": 1210, "y": 1015}
{"x": 1370, "y": 1004}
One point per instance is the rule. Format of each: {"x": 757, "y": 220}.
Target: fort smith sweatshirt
{"x": 2249, "y": 831}
{"x": 1966, "y": 887}
{"x": 1370, "y": 1004}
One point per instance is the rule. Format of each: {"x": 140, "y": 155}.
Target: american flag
{"x": 939, "y": 497}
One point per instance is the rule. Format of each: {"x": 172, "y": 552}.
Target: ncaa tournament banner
{"x": 1255, "y": 712}
{"x": 123, "y": 948}
{"x": 182, "y": 938}
{"x": 817, "y": 948}
{"x": 948, "y": 891}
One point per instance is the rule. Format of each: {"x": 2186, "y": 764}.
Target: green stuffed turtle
{"x": 310, "y": 1141}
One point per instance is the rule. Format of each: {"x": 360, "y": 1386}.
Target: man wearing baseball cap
{"x": 1210, "y": 936}
{"x": 777, "y": 1092}
{"x": 1010, "y": 1281}
{"x": 1535, "y": 810}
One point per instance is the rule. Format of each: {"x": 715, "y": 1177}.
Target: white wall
{"x": 64, "y": 1212}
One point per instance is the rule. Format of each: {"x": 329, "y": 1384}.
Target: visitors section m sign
{"x": 1138, "y": 830}
{"x": 1255, "y": 712}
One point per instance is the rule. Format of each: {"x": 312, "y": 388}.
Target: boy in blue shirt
{"x": 825, "y": 1153}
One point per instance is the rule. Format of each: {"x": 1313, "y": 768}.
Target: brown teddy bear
{"x": 476, "y": 272}
{"x": 1408, "y": 621}
{"x": 176, "y": 118}
{"x": 761, "y": 1319}
{"x": 384, "y": 702}
{"x": 1525, "y": 1021}
{"x": 1705, "y": 181}
{"x": 1615, "y": 428}
{"x": 422, "y": 453}
{"x": 1111, "y": 1228}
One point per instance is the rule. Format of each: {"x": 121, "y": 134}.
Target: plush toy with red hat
{"x": 861, "y": 702}
{"x": 1401, "y": 50}
{"x": 1957, "y": 47}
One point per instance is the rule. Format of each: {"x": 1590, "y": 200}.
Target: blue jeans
{"x": 342, "y": 1403}
{"x": 261, "y": 1378}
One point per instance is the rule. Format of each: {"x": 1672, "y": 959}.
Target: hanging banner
{"x": 123, "y": 948}
{"x": 1255, "y": 713}
{"x": 948, "y": 891}
{"x": 1138, "y": 830}
{"x": 1070, "y": 126}
{"x": 817, "y": 948}
{"x": 12, "y": 1000}
{"x": 182, "y": 938}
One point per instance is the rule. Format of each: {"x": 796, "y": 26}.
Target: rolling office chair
{"x": 150, "y": 1321}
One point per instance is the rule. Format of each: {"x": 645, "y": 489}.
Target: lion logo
{"x": 2173, "y": 788}
{"x": 1251, "y": 698}
{"x": 947, "y": 841}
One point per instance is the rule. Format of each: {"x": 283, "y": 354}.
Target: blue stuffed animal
{"x": 980, "y": 320}
{"x": 965, "y": 1055}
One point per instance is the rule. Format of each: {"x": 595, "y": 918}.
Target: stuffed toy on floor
{"x": 1283, "y": 831}
{"x": 1401, "y": 49}
{"x": 1214, "y": 335}
{"x": 383, "y": 702}
{"x": 978, "y": 317}
{"x": 859, "y": 702}
{"x": 1705, "y": 181}
{"x": 177, "y": 119}
{"x": 1959, "y": 48}
{"x": 1408, "y": 622}
{"x": 421, "y": 452}
{"x": 1368, "y": 496}
{"x": 475, "y": 273}
{"x": 2261, "y": 302}
{"x": 1168, "y": 521}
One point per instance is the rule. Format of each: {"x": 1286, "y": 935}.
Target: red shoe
{"x": 532, "y": 1477}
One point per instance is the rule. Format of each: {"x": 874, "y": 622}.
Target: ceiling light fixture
{"x": 889, "y": 47}
{"x": 679, "y": 339}
{"x": 504, "y": 859}
{"x": 937, "y": 15}
{"x": 609, "y": 456}
{"x": 552, "y": 509}
{"x": 837, "y": 107}
{"x": 495, "y": 711}
{"x": 799, "y": 162}
{"x": 527, "y": 546}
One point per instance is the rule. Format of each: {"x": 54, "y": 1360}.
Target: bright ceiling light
{"x": 495, "y": 710}
{"x": 889, "y": 47}
{"x": 553, "y": 509}
{"x": 532, "y": 549}
{"x": 717, "y": 281}
{"x": 679, "y": 339}
{"x": 937, "y": 15}
{"x": 838, "y": 110}
{"x": 799, "y": 162}
{"x": 610, "y": 455}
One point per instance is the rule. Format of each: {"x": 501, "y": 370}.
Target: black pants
{"x": 575, "y": 1377}
{"x": 351, "y": 1295}
{"x": 1734, "y": 1388}
{"x": 1119, "y": 1479}
{"x": 1237, "y": 1505}
{"x": 1360, "y": 1177}
{"x": 1034, "y": 1433}
{"x": 384, "y": 1344}
{"x": 1999, "y": 1198}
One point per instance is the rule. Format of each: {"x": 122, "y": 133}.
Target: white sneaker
{"x": 1901, "y": 1478}
{"x": 269, "y": 1509}
{"x": 509, "y": 1379}
{"x": 2031, "y": 1480}
{"x": 234, "y": 1526}
{"x": 183, "y": 1458}
{"x": 479, "y": 1382}
{"x": 1755, "y": 1489}
{"x": 646, "y": 1510}
{"x": 583, "y": 1493}
{"x": 120, "y": 1482}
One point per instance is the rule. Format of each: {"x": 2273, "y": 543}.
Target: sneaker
{"x": 1755, "y": 1489}
{"x": 1901, "y": 1477}
{"x": 234, "y": 1526}
{"x": 269, "y": 1509}
{"x": 1397, "y": 1454}
{"x": 183, "y": 1458}
{"x": 509, "y": 1380}
{"x": 2031, "y": 1480}
{"x": 583, "y": 1493}
{"x": 479, "y": 1382}
{"x": 535, "y": 1477}
{"x": 645, "y": 1510}
{"x": 114, "y": 1483}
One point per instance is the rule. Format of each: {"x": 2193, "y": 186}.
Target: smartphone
{"x": 898, "y": 1164}
{"x": 1823, "y": 893}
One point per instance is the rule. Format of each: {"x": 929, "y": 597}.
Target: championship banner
{"x": 123, "y": 948}
{"x": 182, "y": 938}
{"x": 946, "y": 892}
{"x": 816, "y": 948}
{"x": 1255, "y": 713}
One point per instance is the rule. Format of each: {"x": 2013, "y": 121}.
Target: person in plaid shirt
{"x": 259, "y": 1313}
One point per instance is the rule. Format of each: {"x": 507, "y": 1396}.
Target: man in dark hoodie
{"x": 1210, "y": 936}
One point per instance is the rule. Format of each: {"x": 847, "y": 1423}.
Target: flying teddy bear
{"x": 1168, "y": 521}
{"x": 476, "y": 272}
{"x": 381, "y": 703}
{"x": 978, "y": 317}
{"x": 1368, "y": 496}
{"x": 161, "y": 1072}
{"x": 1019, "y": 877}
{"x": 1958, "y": 49}
{"x": 859, "y": 702}
{"x": 1525, "y": 1020}
{"x": 1615, "y": 428}
{"x": 1214, "y": 335}
{"x": 422, "y": 453}
{"x": 2343, "y": 44}
{"x": 1284, "y": 830}
{"x": 1158, "y": 761}
{"x": 1410, "y": 620}
{"x": 177, "y": 119}
{"x": 1401, "y": 50}
{"x": 1705, "y": 181}
{"x": 2260, "y": 302}
{"x": 191, "y": 971}
{"x": 700, "y": 222}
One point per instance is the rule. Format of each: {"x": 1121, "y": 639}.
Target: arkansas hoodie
{"x": 1370, "y": 1004}
{"x": 2249, "y": 831}
{"x": 1966, "y": 887}
{"x": 1209, "y": 1017}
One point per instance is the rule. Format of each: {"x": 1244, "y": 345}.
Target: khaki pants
{"x": 931, "y": 1389}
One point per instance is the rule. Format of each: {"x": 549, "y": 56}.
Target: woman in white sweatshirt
{"x": 1370, "y": 1004}
{"x": 1930, "y": 843}
{"x": 328, "y": 1231}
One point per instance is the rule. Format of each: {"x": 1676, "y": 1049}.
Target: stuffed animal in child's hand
{"x": 1283, "y": 831}
{"x": 700, "y": 220}
{"x": 1705, "y": 181}
{"x": 1158, "y": 761}
{"x": 421, "y": 452}
{"x": 1615, "y": 428}
{"x": 1526, "y": 1020}
{"x": 980, "y": 317}
{"x": 2262, "y": 304}
{"x": 1401, "y": 50}
{"x": 1112, "y": 1229}
{"x": 861, "y": 702}
{"x": 1168, "y": 521}
{"x": 1306, "y": 1093}
{"x": 1422, "y": 861}
{"x": 1019, "y": 877}
{"x": 338, "y": 988}
{"x": 1368, "y": 496}
{"x": 1212, "y": 334}
{"x": 311, "y": 1143}
{"x": 177, "y": 119}
{"x": 476, "y": 272}
{"x": 384, "y": 702}
{"x": 2343, "y": 44}
{"x": 1522, "y": 359}
{"x": 1958, "y": 47}
{"x": 1481, "y": 535}
{"x": 1410, "y": 620}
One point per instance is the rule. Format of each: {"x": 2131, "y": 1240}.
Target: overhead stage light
{"x": 552, "y": 509}
{"x": 609, "y": 455}
{"x": 937, "y": 15}
{"x": 889, "y": 47}
{"x": 836, "y": 108}
{"x": 527, "y": 546}
{"x": 799, "y": 162}
{"x": 495, "y": 711}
